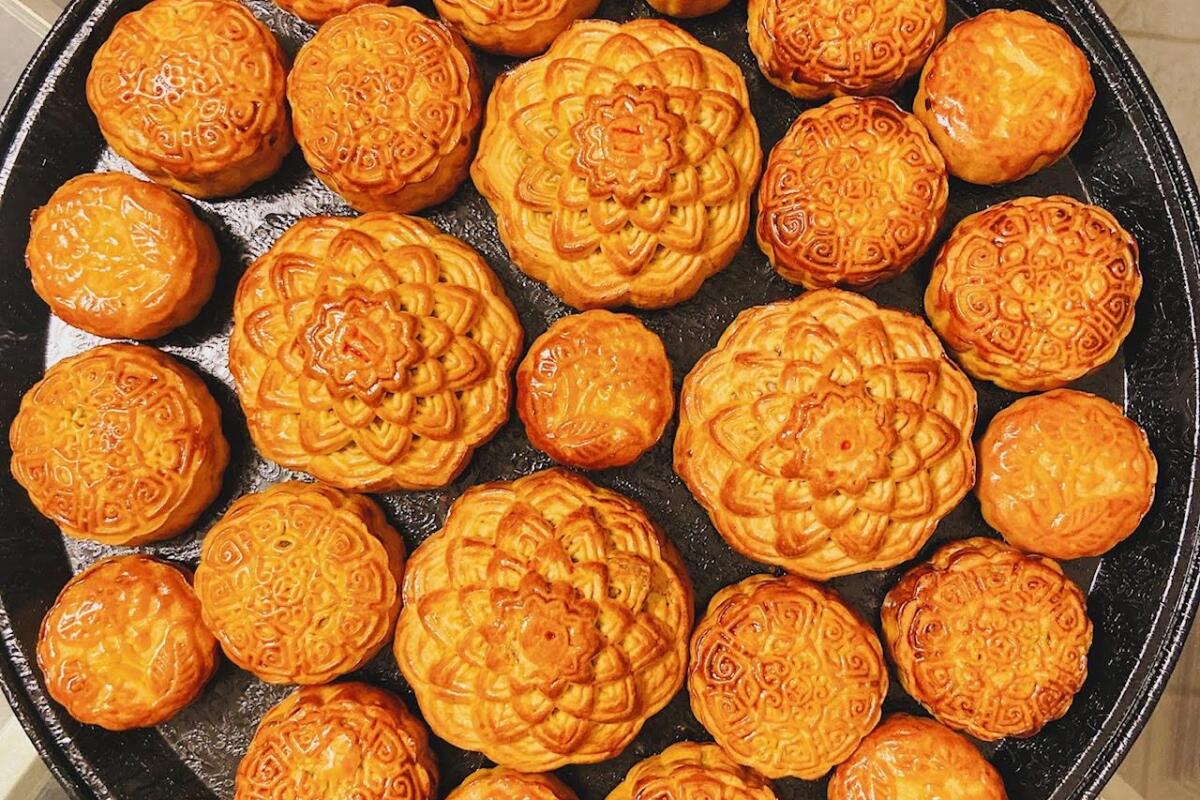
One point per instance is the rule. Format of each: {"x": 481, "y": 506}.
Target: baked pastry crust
{"x": 620, "y": 164}
{"x": 853, "y": 194}
{"x": 386, "y": 104}
{"x": 915, "y": 757}
{"x": 300, "y": 583}
{"x": 691, "y": 771}
{"x": 121, "y": 258}
{"x": 815, "y": 50}
{"x": 544, "y": 623}
{"x": 826, "y": 434}
{"x": 594, "y": 391}
{"x": 123, "y": 646}
{"x": 120, "y": 444}
{"x": 513, "y": 27}
{"x": 191, "y": 92}
{"x": 785, "y": 676}
{"x": 508, "y": 784}
{"x": 1036, "y": 292}
{"x": 318, "y": 12}
{"x": 687, "y": 8}
{"x": 1065, "y": 474}
{"x": 992, "y": 641}
{"x": 339, "y": 740}
{"x": 372, "y": 352}
{"x": 1004, "y": 95}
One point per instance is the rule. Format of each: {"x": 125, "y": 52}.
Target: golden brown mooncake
{"x": 318, "y": 12}
{"x": 191, "y": 92}
{"x": 912, "y": 757}
{"x": 785, "y": 676}
{"x": 1004, "y": 95}
{"x": 594, "y": 391}
{"x": 372, "y": 352}
{"x": 340, "y": 740}
{"x": 688, "y": 8}
{"x": 544, "y": 623}
{"x": 992, "y": 641}
{"x": 821, "y": 48}
{"x": 120, "y": 444}
{"x": 620, "y": 164}
{"x": 513, "y": 27}
{"x": 386, "y": 104}
{"x": 853, "y": 194}
{"x": 121, "y": 258}
{"x": 1035, "y": 292}
{"x": 826, "y": 434}
{"x": 508, "y": 784}
{"x": 691, "y": 771}
{"x": 1065, "y": 474}
{"x": 123, "y": 646}
{"x": 301, "y": 583}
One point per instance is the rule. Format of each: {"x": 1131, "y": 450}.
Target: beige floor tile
{"x": 1173, "y": 19}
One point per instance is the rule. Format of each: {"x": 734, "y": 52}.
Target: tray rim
{"x": 1139, "y": 697}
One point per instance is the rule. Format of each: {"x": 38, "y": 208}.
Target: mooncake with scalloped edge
{"x": 513, "y": 27}
{"x": 317, "y": 12}
{"x": 501, "y": 783}
{"x": 691, "y": 771}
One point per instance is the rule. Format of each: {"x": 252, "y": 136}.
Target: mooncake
{"x": 826, "y": 434}
{"x": 690, "y": 771}
{"x": 513, "y": 27}
{"x": 687, "y": 8}
{"x": 544, "y": 623}
{"x": 317, "y": 12}
{"x": 372, "y": 352}
{"x": 507, "y": 784}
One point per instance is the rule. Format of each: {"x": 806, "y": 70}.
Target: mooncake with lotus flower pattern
{"x": 513, "y": 27}
{"x": 691, "y": 771}
{"x": 508, "y": 784}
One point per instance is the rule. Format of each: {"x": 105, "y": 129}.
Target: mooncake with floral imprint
{"x": 372, "y": 352}
{"x": 691, "y": 771}
{"x": 688, "y": 8}
{"x": 821, "y": 48}
{"x": 124, "y": 646}
{"x": 1004, "y": 95}
{"x": 317, "y": 12}
{"x": 785, "y": 676}
{"x": 301, "y": 582}
{"x": 620, "y": 164}
{"x": 594, "y": 391}
{"x": 191, "y": 92}
{"x": 544, "y": 623}
{"x": 853, "y": 194}
{"x": 342, "y": 740}
{"x": 826, "y": 434}
{"x": 992, "y": 641}
{"x": 508, "y": 784}
{"x": 120, "y": 444}
{"x": 513, "y": 27}
{"x": 1036, "y": 292}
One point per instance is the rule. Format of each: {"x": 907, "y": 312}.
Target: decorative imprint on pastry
{"x": 690, "y": 771}
{"x": 508, "y": 784}
{"x": 513, "y": 27}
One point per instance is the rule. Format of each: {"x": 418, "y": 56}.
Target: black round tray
{"x": 1142, "y": 596}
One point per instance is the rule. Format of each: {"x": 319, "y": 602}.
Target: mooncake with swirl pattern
{"x": 786, "y": 677}
{"x": 620, "y": 164}
{"x": 120, "y": 444}
{"x": 992, "y": 641}
{"x": 191, "y": 92}
{"x": 124, "y": 646}
{"x": 1036, "y": 292}
{"x": 826, "y": 434}
{"x": 317, "y": 12}
{"x": 544, "y": 623}
{"x": 691, "y": 771}
{"x": 372, "y": 352}
{"x": 508, "y": 784}
{"x": 513, "y": 27}
{"x": 301, "y": 582}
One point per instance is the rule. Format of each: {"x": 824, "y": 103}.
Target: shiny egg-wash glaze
{"x": 513, "y": 27}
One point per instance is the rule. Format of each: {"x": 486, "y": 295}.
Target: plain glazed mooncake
{"x": 508, "y": 784}
{"x": 513, "y": 27}
{"x": 544, "y": 623}
{"x": 691, "y": 771}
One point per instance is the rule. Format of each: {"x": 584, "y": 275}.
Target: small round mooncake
{"x": 386, "y": 104}
{"x": 317, "y": 12}
{"x": 507, "y": 784}
{"x": 912, "y": 757}
{"x": 120, "y": 444}
{"x": 191, "y": 92}
{"x": 121, "y": 258}
{"x": 1065, "y": 474}
{"x": 620, "y": 164}
{"x": 785, "y": 676}
{"x": 594, "y": 391}
{"x": 513, "y": 27}
{"x": 301, "y": 582}
{"x": 1004, "y": 95}
{"x": 372, "y": 352}
{"x": 124, "y": 646}
{"x": 826, "y": 434}
{"x": 341, "y": 740}
{"x": 544, "y": 623}
{"x": 1036, "y": 292}
{"x": 820, "y": 48}
{"x": 691, "y": 771}
{"x": 687, "y": 8}
{"x": 853, "y": 194}
{"x": 992, "y": 641}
